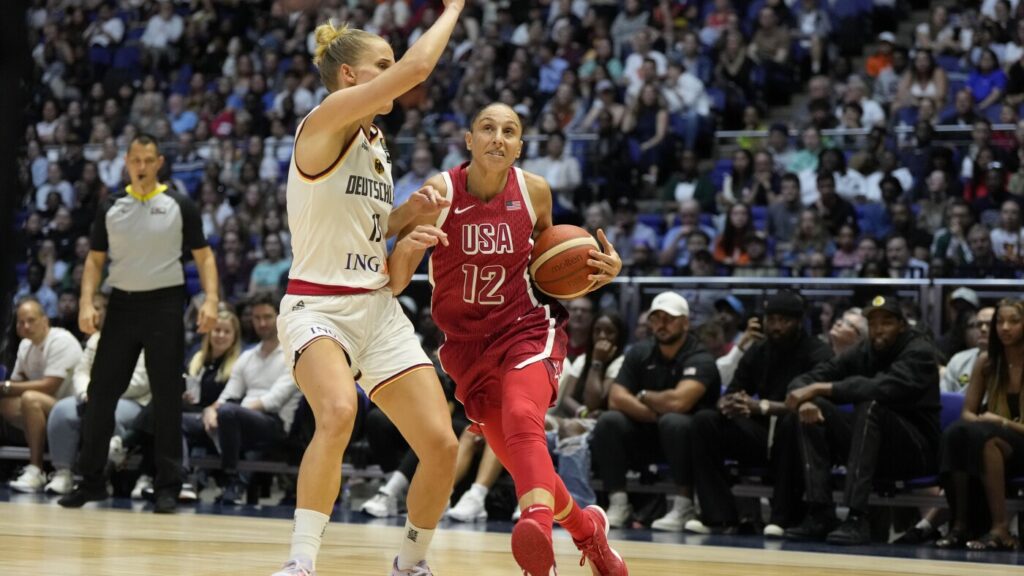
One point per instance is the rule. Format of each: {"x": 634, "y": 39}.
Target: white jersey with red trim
{"x": 339, "y": 217}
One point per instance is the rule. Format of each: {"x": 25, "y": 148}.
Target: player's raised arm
{"x": 364, "y": 64}
{"x": 417, "y": 235}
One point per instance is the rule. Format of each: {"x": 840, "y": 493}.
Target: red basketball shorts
{"x": 478, "y": 365}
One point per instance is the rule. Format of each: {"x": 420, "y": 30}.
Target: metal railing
{"x": 634, "y": 294}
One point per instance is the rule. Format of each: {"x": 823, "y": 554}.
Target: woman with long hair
{"x": 731, "y": 246}
{"x": 339, "y": 322}
{"x": 987, "y": 444}
{"x": 584, "y": 386}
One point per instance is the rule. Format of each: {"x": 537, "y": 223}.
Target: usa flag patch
{"x": 513, "y": 205}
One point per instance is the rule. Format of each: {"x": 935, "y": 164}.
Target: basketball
{"x": 558, "y": 263}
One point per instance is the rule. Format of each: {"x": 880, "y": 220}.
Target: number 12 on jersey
{"x": 481, "y": 285}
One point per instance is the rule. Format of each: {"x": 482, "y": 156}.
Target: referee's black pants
{"x": 151, "y": 321}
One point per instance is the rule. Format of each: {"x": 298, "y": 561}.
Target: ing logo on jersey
{"x": 378, "y": 166}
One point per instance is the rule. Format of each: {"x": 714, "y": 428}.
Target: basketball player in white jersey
{"x": 339, "y": 322}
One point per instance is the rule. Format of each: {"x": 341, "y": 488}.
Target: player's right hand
{"x": 457, "y": 4}
{"x": 88, "y": 318}
{"x": 428, "y": 201}
{"x": 425, "y": 236}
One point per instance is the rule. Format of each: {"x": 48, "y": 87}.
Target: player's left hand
{"x": 427, "y": 201}
{"x": 207, "y": 316}
{"x": 607, "y": 262}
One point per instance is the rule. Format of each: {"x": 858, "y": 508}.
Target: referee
{"x": 145, "y": 230}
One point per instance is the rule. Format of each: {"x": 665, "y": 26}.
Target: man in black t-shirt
{"x": 661, "y": 384}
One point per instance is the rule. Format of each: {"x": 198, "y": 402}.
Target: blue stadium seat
{"x": 214, "y": 241}
{"x": 3, "y": 372}
{"x": 193, "y": 286}
{"x": 127, "y": 58}
{"x": 655, "y": 221}
{"x": 759, "y": 214}
{"x": 952, "y": 406}
{"x": 950, "y": 63}
{"x": 722, "y": 167}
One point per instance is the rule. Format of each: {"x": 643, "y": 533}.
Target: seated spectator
{"x": 902, "y": 223}
{"x": 63, "y": 429}
{"x": 850, "y": 185}
{"x": 846, "y": 257}
{"x": 784, "y": 214}
{"x": 646, "y": 123}
{"x": 1006, "y": 237}
{"x": 882, "y": 58}
{"x": 739, "y": 428}
{"x": 963, "y": 112}
{"x": 950, "y": 243}
{"x": 585, "y": 382}
{"x": 957, "y": 373}
{"x": 649, "y": 415}
{"x": 55, "y": 182}
{"x": 857, "y": 93}
{"x": 987, "y": 443}
{"x": 847, "y": 332}
{"x": 627, "y": 232}
{"x": 688, "y": 183}
{"x": 674, "y": 246}
{"x": 811, "y": 238}
{"x": 899, "y": 261}
{"x": 686, "y": 98}
{"x": 257, "y": 406}
{"x": 730, "y": 247}
{"x": 162, "y": 33}
{"x": 892, "y": 382}
{"x": 987, "y": 81}
{"x": 924, "y": 80}
{"x": 267, "y": 273}
{"x": 41, "y": 376}
{"x": 738, "y": 184}
{"x": 562, "y": 172}
{"x": 35, "y": 287}
{"x": 779, "y": 146}
{"x": 833, "y": 210}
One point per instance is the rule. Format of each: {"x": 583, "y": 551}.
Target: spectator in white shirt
{"x": 63, "y": 430}
{"x": 957, "y": 373}
{"x": 257, "y": 406}
{"x": 562, "y": 172}
{"x": 107, "y": 30}
{"x": 302, "y": 99}
{"x": 55, "y": 182}
{"x": 642, "y": 51}
{"x": 685, "y": 96}
{"x": 856, "y": 91}
{"x": 163, "y": 31}
{"x": 1006, "y": 238}
{"x": 111, "y": 165}
{"x": 41, "y": 376}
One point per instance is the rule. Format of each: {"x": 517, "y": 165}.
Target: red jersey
{"x": 480, "y": 280}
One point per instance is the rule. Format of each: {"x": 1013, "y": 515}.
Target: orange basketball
{"x": 558, "y": 263}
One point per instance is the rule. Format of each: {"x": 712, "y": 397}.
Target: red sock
{"x": 576, "y": 523}
{"x": 541, "y": 515}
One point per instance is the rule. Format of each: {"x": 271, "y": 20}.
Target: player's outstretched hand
{"x": 428, "y": 201}
{"x": 457, "y": 4}
{"x": 607, "y": 262}
{"x": 424, "y": 236}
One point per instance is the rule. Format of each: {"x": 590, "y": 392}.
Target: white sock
{"x": 683, "y": 504}
{"x": 618, "y": 499}
{"x": 396, "y": 485}
{"x": 307, "y": 533}
{"x": 480, "y": 490}
{"x": 414, "y": 545}
{"x": 924, "y": 525}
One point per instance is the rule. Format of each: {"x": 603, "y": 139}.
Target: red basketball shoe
{"x": 604, "y": 560}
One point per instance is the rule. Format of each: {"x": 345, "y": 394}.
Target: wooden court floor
{"x": 45, "y": 539}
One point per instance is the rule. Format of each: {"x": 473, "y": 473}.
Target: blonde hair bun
{"x": 326, "y": 35}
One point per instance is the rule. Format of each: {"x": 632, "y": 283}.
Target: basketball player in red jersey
{"x": 339, "y": 322}
{"x": 504, "y": 347}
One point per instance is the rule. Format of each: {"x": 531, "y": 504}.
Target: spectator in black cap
{"x": 740, "y": 427}
{"x": 628, "y": 232}
{"x": 892, "y": 381}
